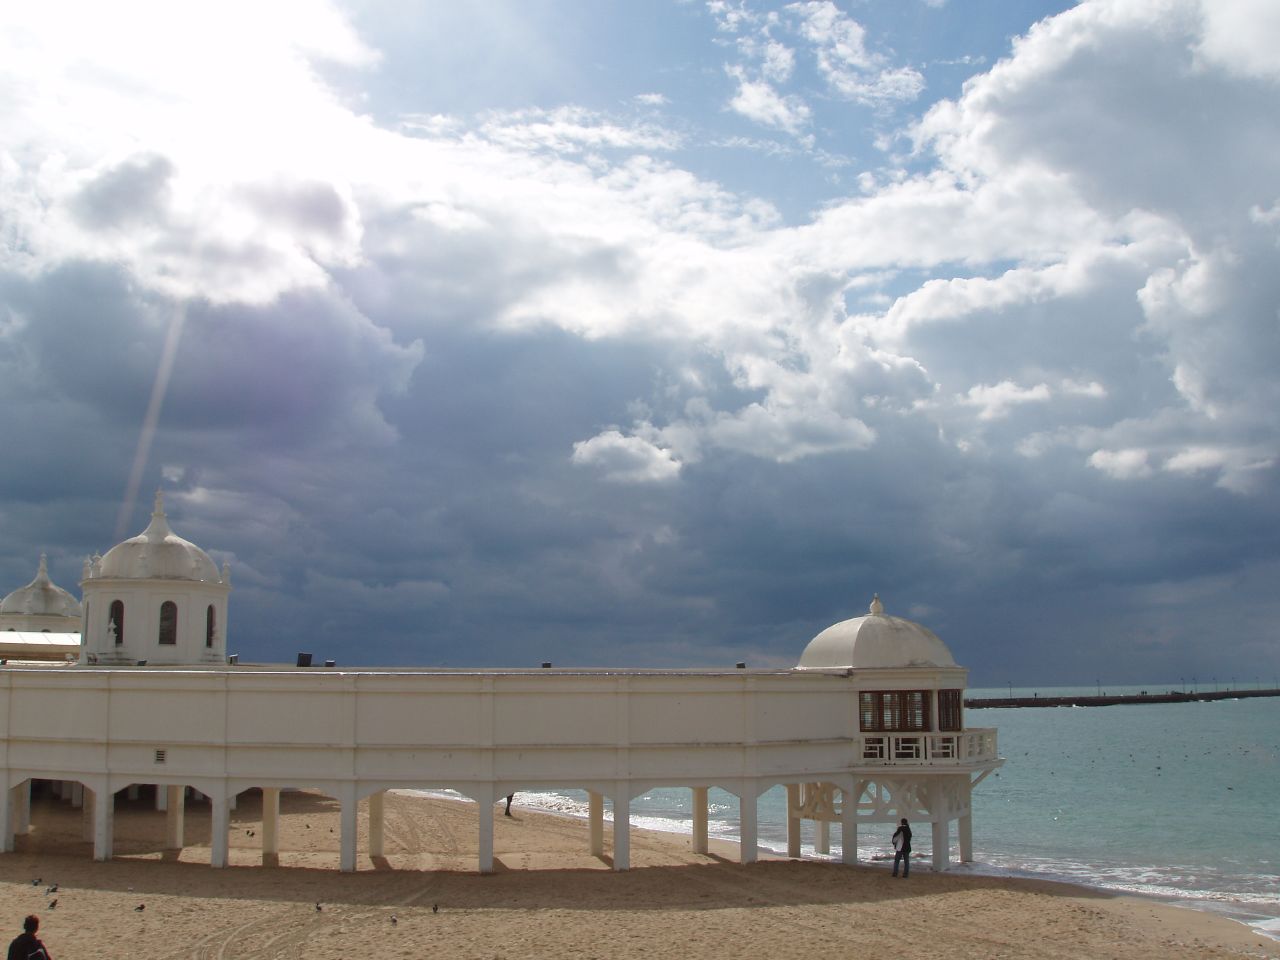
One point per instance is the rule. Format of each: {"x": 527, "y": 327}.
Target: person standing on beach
{"x": 902, "y": 849}
{"x": 26, "y": 945}
{"x": 510, "y": 797}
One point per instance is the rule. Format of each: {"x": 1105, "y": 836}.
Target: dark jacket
{"x": 906, "y": 842}
{"x": 27, "y": 946}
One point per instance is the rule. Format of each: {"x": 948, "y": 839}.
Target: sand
{"x": 547, "y": 899}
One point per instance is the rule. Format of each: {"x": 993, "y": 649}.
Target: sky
{"x": 661, "y": 334}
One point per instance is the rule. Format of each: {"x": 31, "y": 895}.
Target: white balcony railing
{"x": 962, "y": 747}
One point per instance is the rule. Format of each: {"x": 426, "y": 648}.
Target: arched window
{"x": 210, "y": 625}
{"x": 168, "y": 622}
{"x": 115, "y": 620}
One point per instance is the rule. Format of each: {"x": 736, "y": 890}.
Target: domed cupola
{"x": 40, "y": 606}
{"x": 155, "y": 599}
{"x": 158, "y": 554}
{"x": 877, "y": 642}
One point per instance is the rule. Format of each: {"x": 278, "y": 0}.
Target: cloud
{"x": 1121, "y": 464}
{"x": 758, "y": 101}
{"x": 1031, "y": 357}
{"x": 626, "y": 459}
{"x": 850, "y": 70}
{"x": 994, "y": 401}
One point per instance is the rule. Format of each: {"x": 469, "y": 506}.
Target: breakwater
{"x": 1111, "y": 700}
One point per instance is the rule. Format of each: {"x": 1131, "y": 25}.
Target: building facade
{"x": 866, "y": 729}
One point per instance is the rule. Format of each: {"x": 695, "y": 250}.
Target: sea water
{"x": 1178, "y": 800}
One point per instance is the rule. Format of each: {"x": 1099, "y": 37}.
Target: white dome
{"x": 875, "y": 641}
{"x": 41, "y": 598}
{"x": 157, "y": 554}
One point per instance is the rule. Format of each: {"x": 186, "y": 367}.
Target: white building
{"x": 868, "y": 727}
{"x": 40, "y": 621}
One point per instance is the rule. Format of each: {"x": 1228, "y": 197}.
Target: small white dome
{"x": 41, "y": 598}
{"x": 875, "y": 641}
{"x": 157, "y": 554}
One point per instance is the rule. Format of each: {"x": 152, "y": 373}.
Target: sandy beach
{"x": 547, "y": 898}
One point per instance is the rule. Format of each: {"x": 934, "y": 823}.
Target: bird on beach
{"x": 393, "y": 920}
{"x": 435, "y": 908}
{"x": 52, "y": 904}
{"x": 37, "y": 881}
{"x": 318, "y": 907}
{"x": 139, "y": 908}
{"x": 53, "y": 888}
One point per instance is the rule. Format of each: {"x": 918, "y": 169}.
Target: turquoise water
{"x": 1173, "y": 800}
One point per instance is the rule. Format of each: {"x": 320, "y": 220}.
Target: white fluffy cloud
{"x": 849, "y": 68}
{"x": 626, "y": 459}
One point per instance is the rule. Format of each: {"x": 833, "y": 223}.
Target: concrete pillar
{"x": 377, "y": 823}
{"x": 348, "y": 820}
{"x": 964, "y": 827}
{"x": 22, "y": 807}
{"x": 622, "y": 827}
{"x": 219, "y": 828}
{"x": 270, "y": 822}
{"x": 595, "y": 817}
{"x": 104, "y": 803}
{"x": 162, "y": 797}
{"x": 941, "y": 844}
{"x": 77, "y": 794}
{"x": 484, "y": 850}
{"x": 848, "y": 828}
{"x": 699, "y": 819}
{"x": 235, "y": 798}
{"x": 175, "y": 808}
{"x": 793, "y": 820}
{"x": 88, "y": 800}
{"x": 749, "y": 848}
{"x": 6, "y": 821}
{"x": 132, "y": 792}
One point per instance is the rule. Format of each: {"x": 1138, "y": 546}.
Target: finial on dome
{"x": 43, "y": 572}
{"x": 226, "y": 572}
{"x": 877, "y": 608}
{"x": 158, "y": 528}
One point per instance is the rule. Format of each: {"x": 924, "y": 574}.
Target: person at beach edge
{"x": 902, "y": 849}
{"x": 26, "y": 945}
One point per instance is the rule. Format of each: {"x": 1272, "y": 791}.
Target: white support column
{"x": 219, "y": 827}
{"x": 175, "y": 808}
{"x": 77, "y": 794}
{"x": 235, "y": 798}
{"x": 6, "y": 821}
{"x": 350, "y": 807}
{"x": 162, "y": 798}
{"x": 964, "y": 829}
{"x": 595, "y": 816}
{"x": 88, "y": 799}
{"x": 793, "y": 820}
{"x": 848, "y": 828}
{"x": 941, "y": 843}
{"x": 132, "y": 792}
{"x": 270, "y": 823}
{"x": 484, "y": 849}
{"x": 700, "y": 820}
{"x": 749, "y": 849}
{"x": 377, "y": 823}
{"x": 103, "y": 821}
{"x": 822, "y": 842}
{"x": 22, "y": 808}
{"x": 622, "y": 827}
